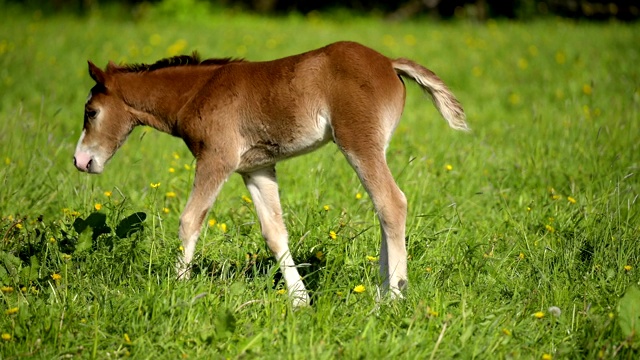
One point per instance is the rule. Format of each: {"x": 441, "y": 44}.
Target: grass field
{"x": 523, "y": 235}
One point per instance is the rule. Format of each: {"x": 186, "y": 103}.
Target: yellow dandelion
{"x": 165, "y": 210}
{"x": 628, "y": 267}
{"x": 11, "y": 311}
{"x": 56, "y": 276}
{"x": 547, "y": 357}
{"x": 523, "y": 64}
{"x": 539, "y": 315}
{"x": 528, "y": 208}
{"x": 170, "y": 194}
{"x": 359, "y": 289}
{"x": 246, "y": 199}
{"x": 154, "y": 185}
{"x": 611, "y": 315}
{"x": 281, "y": 291}
{"x": 514, "y": 99}
{"x": 19, "y": 226}
{"x": 222, "y": 227}
{"x": 556, "y": 197}
{"x": 212, "y": 222}
{"x": 326, "y": 208}
{"x": 432, "y": 312}
{"x": 97, "y": 207}
{"x": 333, "y": 235}
{"x": 549, "y": 228}
{"x": 177, "y": 47}
{"x": 428, "y": 269}
{"x": 187, "y": 167}
{"x": 448, "y": 167}
{"x": 319, "y": 255}
{"x": 372, "y": 258}
{"x": 181, "y": 248}
{"x": 175, "y": 155}
{"x": 586, "y": 89}
{"x": 107, "y": 193}
{"x": 571, "y": 200}
{"x": 127, "y": 339}
{"x": 23, "y": 289}
{"x": 6, "y": 337}
{"x": 358, "y": 196}
{"x": 506, "y": 331}
{"x": 6, "y": 289}
{"x": 521, "y": 256}
{"x": 172, "y": 170}
{"x": 52, "y": 240}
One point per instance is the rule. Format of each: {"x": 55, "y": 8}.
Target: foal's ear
{"x": 96, "y": 73}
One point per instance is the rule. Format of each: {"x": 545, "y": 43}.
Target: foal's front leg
{"x": 263, "y": 187}
{"x": 210, "y": 175}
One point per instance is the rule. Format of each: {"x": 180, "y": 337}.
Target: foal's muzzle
{"x": 83, "y": 162}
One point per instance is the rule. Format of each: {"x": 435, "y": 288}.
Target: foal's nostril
{"x": 75, "y": 162}
{"x": 89, "y": 164}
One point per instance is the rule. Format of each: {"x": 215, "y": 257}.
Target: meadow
{"x": 523, "y": 234}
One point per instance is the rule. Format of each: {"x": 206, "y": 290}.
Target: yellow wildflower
{"x": 6, "y": 289}
{"x": 11, "y": 311}
{"x": 212, "y": 222}
{"x": 165, "y": 210}
{"x": 539, "y": 315}
{"x": 506, "y": 331}
{"x": 556, "y": 196}
{"x": 6, "y": 337}
{"x": 359, "y": 289}
{"x": 372, "y": 258}
{"x": 281, "y": 291}
{"x": 170, "y": 194}
{"x": 628, "y": 267}
{"x": 521, "y": 256}
{"x": 172, "y": 170}
{"x": 52, "y": 240}
{"x": 547, "y": 357}
{"x": 107, "y": 193}
{"x": 19, "y": 226}
{"x": 571, "y": 200}
{"x": 358, "y": 196}
{"x": 66, "y": 257}
{"x": 246, "y": 199}
{"x": 448, "y": 167}
{"x": 154, "y": 185}
{"x": 97, "y": 207}
{"x": 222, "y": 227}
{"x": 187, "y": 167}
{"x": 127, "y": 340}
{"x": 428, "y": 269}
{"x": 586, "y": 89}
{"x": 319, "y": 255}
{"x": 181, "y": 248}
{"x": 333, "y": 235}
{"x": 56, "y": 276}
{"x": 549, "y": 228}
{"x": 326, "y": 208}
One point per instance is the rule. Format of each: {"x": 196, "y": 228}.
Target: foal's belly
{"x": 300, "y": 138}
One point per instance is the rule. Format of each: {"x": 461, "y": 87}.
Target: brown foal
{"x": 244, "y": 117}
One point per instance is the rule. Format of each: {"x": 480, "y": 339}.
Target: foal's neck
{"x": 158, "y": 96}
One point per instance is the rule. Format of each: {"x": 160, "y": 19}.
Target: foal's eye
{"x": 91, "y": 114}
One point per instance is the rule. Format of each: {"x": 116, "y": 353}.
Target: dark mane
{"x": 180, "y": 60}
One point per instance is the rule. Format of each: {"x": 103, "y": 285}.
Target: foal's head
{"x": 107, "y": 121}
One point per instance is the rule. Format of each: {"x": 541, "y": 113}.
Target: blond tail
{"x": 443, "y": 99}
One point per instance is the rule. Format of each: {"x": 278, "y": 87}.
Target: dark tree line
{"x": 398, "y": 10}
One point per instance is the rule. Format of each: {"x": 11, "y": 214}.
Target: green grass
{"x": 539, "y": 207}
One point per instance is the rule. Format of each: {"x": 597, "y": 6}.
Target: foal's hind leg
{"x": 263, "y": 187}
{"x": 365, "y": 153}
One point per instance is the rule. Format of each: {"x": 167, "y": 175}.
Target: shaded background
{"x": 395, "y": 10}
